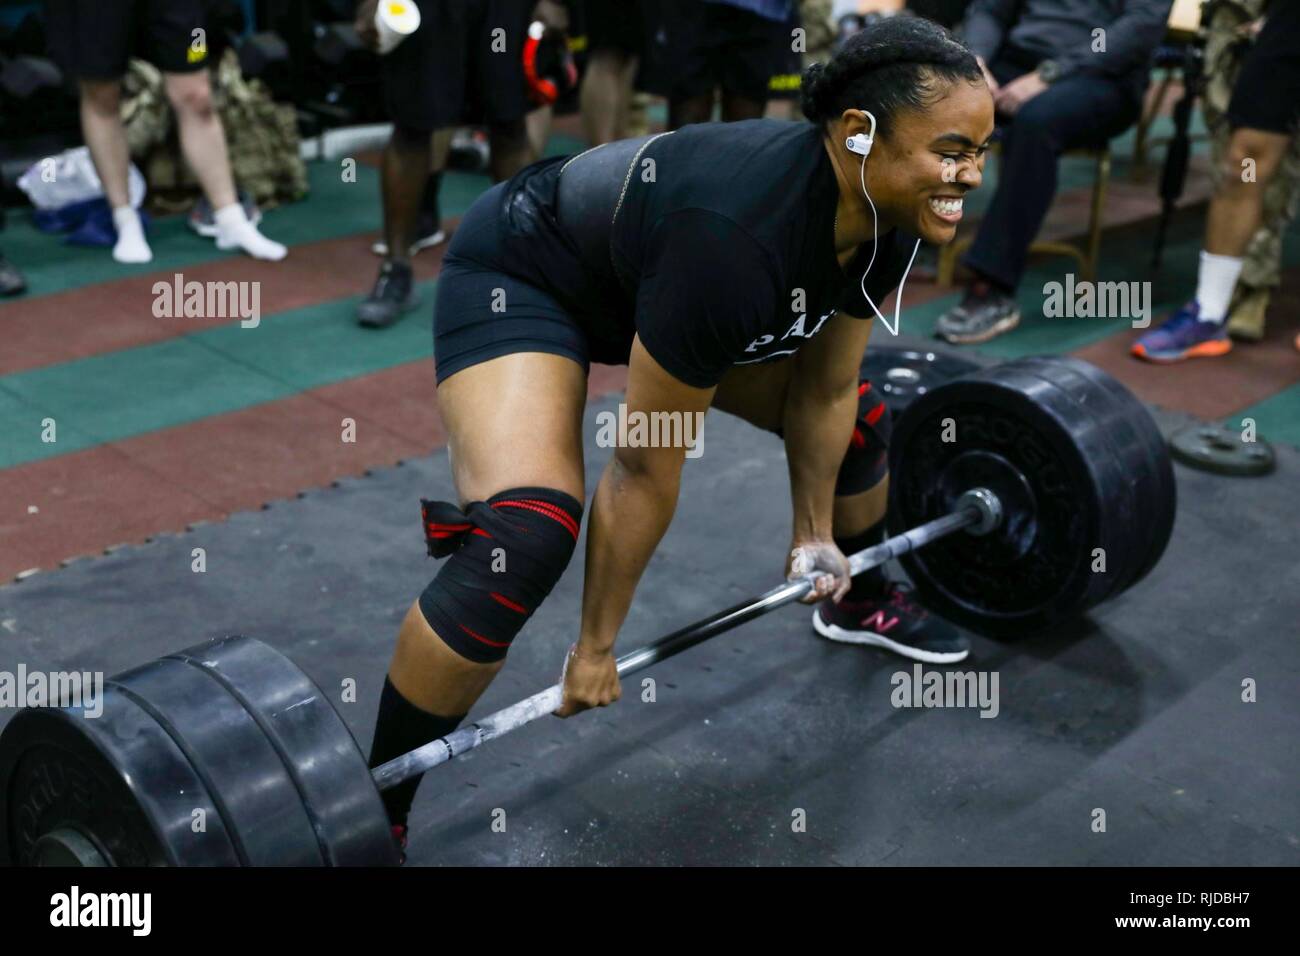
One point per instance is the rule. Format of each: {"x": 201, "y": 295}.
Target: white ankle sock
{"x": 131, "y": 247}
{"x": 235, "y": 231}
{"x": 1214, "y": 284}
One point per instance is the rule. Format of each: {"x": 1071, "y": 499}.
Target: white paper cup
{"x": 395, "y": 20}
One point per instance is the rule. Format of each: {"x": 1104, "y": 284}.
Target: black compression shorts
{"x": 1267, "y": 94}
{"x": 454, "y": 69}
{"x": 481, "y": 311}
{"x": 93, "y": 39}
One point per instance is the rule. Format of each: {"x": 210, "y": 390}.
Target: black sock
{"x": 400, "y": 728}
{"x": 870, "y": 583}
{"x": 984, "y": 286}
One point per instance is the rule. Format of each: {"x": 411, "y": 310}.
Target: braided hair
{"x": 897, "y": 63}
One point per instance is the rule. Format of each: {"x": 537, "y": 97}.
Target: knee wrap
{"x": 504, "y": 556}
{"x": 866, "y": 463}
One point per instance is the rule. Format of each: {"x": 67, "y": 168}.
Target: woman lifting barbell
{"x": 729, "y": 266}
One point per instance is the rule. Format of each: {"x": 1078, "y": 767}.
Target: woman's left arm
{"x": 820, "y": 410}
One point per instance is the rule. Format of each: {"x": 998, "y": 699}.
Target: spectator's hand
{"x": 988, "y": 76}
{"x": 1018, "y": 92}
{"x": 365, "y": 24}
{"x": 554, "y": 15}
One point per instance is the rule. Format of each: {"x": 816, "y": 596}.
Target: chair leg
{"x": 1144, "y": 124}
{"x": 1095, "y": 218}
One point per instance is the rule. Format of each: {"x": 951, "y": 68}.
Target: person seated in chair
{"x": 1063, "y": 75}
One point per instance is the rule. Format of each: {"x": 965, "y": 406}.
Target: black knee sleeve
{"x": 504, "y": 556}
{"x": 866, "y": 463}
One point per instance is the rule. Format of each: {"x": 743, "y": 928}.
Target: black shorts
{"x": 1267, "y": 94}
{"x": 615, "y": 25}
{"x": 463, "y": 66}
{"x": 93, "y": 39}
{"x": 482, "y": 311}
{"x": 697, "y": 47}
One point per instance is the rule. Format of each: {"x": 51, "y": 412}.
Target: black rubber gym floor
{"x": 1136, "y": 711}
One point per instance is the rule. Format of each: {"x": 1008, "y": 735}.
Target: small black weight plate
{"x": 1221, "y": 450}
{"x": 901, "y": 374}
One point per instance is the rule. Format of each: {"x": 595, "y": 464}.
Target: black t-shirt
{"x": 720, "y": 241}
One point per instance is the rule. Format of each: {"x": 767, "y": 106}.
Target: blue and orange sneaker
{"x": 1182, "y": 336}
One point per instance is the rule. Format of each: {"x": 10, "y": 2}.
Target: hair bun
{"x": 812, "y": 89}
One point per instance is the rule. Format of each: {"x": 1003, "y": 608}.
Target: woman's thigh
{"x": 515, "y": 421}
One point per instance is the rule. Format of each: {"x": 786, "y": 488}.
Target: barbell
{"x": 228, "y": 754}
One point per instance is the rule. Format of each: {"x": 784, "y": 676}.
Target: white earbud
{"x": 861, "y": 143}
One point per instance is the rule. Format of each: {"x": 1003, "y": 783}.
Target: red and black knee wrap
{"x": 504, "y": 556}
{"x": 866, "y": 463}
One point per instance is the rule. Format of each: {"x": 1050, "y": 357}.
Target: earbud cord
{"x": 898, "y": 298}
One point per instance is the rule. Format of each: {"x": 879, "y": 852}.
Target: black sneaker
{"x": 895, "y": 622}
{"x": 428, "y": 233}
{"x": 983, "y": 314}
{"x": 393, "y": 296}
{"x": 11, "y": 280}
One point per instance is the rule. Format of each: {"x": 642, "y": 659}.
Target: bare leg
{"x": 779, "y": 109}
{"x": 203, "y": 140}
{"x": 500, "y": 436}
{"x": 1237, "y": 209}
{"x": 405, "y": 170}
{"x": 101, "y": 124}
{"x": 511, "y": 150}
{"x": 688, "y": 110}
{"x": 538, "y": 123}
{"x": 512, "y": 422}
{"x": 439, "y": 149}
{"x": 605, "y": 95}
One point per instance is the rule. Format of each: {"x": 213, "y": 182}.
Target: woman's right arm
{"x": 630, "y": 512}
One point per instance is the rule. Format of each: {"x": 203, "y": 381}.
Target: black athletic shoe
{"x": 894, "y": 622}
{"x": 393, "y": 296}
{"x": 11, "y": 280}
{"x": 983, "y": 314}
